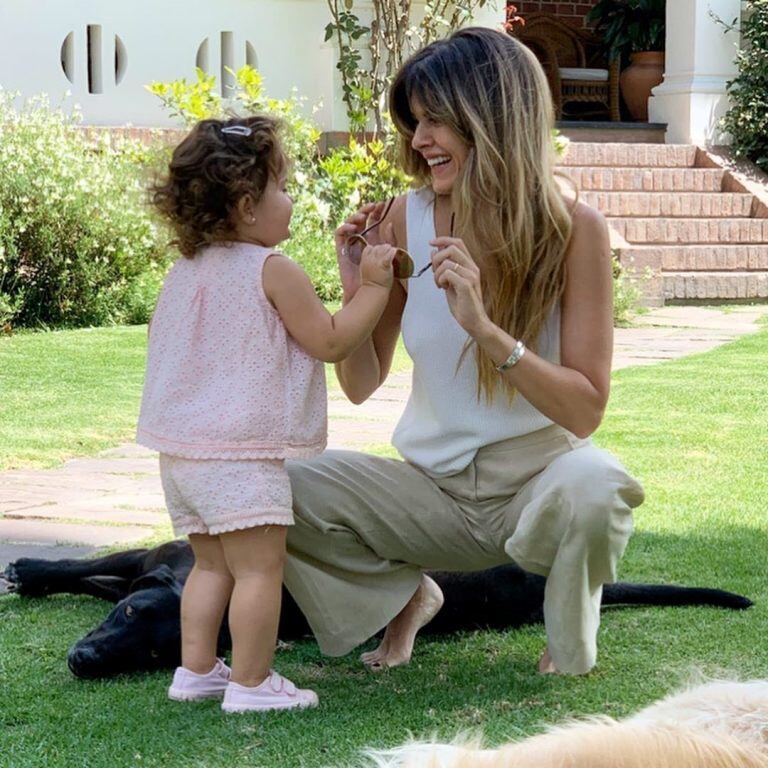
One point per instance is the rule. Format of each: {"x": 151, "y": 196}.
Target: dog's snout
{"x": 80, "y": 660}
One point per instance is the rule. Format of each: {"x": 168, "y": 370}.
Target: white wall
{"x": 161, "y": 41}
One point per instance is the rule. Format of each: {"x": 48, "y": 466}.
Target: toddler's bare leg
{"x": 203, "y": 602}
{"x": 397, "y": 644}
{"x": 255, "y": 557}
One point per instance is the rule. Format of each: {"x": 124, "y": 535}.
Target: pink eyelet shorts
{"x": 214, "y": 496}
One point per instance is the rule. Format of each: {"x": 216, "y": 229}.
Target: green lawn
{"x": 73, "y": 393}
{"x": 694, "y": 431}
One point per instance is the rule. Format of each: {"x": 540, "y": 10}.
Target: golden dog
{"x": 716, "y": 725}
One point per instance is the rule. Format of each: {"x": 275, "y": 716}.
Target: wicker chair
{"x": 572, "y": 60}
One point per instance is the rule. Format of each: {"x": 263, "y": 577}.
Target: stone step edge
{"x": 715, "y": 272}
{"x": 696, "y": 286}
{"x": 656, "y": 192}
{"x": 706, "y": 246}
{"x": 649, "y": 168}
{"x": 690, "y": 219}
{"x": 745, "y": 206}
{"x": 651, "y": 180}
{"x": 701, "y": 259}
{"x": 632, "y": 244}
{"x": 598, "y": 154}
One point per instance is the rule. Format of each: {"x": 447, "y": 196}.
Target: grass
{"x": 692, "y": 430}
{"x": 73, "y": 393}
{"x": 68, "y": 393}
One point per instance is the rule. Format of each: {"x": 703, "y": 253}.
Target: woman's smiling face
{"x": 443, "y": 149}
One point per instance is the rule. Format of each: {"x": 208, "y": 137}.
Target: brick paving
{"x": 115, "y": 498}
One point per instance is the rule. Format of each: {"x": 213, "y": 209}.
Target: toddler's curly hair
{"x": 211, "y": 170}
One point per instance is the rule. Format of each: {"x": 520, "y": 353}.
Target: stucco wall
{"x": 45, "y": 46}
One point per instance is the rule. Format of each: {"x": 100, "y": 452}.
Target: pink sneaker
{"x": 190, "y": 686}
{"x": 276, "y": 692}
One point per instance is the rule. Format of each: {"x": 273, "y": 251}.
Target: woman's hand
{"x": 458, "y": 275}
{"x": 356, "y": 223}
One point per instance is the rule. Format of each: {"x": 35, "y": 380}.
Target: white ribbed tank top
{"x": 444, "y": 424}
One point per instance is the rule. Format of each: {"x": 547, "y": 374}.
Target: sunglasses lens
{"x": 355, "y": 247}
{"x": 402, "y": 264}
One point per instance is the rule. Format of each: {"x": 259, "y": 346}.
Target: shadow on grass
{"x": 478, "y": 680}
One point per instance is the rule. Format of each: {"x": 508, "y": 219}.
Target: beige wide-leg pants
{"x": 367, "y": 526}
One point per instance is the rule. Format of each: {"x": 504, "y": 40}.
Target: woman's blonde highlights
{"x": 510, "y": 211}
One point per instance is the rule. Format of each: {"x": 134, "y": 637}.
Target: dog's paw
{"x": 27, "y": 577}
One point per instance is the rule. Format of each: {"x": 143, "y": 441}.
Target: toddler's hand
{"x": 376, "y": 265}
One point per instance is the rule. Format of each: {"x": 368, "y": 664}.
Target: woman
{"x": 510, "y": 333}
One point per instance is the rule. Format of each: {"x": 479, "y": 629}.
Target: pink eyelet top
{"x": 224, "y": 378}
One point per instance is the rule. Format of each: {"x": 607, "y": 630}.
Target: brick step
{"x": 691, "y": 231}
{"x": 673, "y": 204}
{"x": 637, "y": 155}
{"x": 715, "y": 285}
{"x": 613, "y": 179}
{"x": 694, "y": 258}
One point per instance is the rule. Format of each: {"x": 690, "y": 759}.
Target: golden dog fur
{"x": 717, "y": 725}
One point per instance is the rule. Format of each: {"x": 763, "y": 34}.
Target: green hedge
{"x": 747, "y": 119}
{"x": 324, "y": 189}
{"x": 78, "y": 245}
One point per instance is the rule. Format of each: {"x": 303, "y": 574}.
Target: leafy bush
{"x": 626, "y": 294}
{"x": 628, "y": 26}
{"x": 561, "y": 143}
{"x": 747, "y": 119}
{"x": 76, "y": 240}
{"x": 359, "y": 173}
{"x": 324, "y": 189}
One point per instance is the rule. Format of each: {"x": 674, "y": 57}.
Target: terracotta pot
{"x": 645, "y": 71}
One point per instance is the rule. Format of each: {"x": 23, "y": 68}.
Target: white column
{"x": 699, "y": 62}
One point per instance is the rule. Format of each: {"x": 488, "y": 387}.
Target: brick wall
{"x": 571, "y": 13}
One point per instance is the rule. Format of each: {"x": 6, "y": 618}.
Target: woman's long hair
{"x": 492, "y": 92}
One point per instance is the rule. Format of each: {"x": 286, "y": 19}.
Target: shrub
{"x": 626, "y": 294}
{"x": 747, "y": 119}
{"x": 325, "y": 190}
{"x": 628, "y": 26}
{"x": 359, "y": 173}
{"x": 76, "y": 240}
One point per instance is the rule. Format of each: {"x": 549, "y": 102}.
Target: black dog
{"x": 143, "y": 632}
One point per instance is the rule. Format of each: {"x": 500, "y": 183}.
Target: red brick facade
{"x": 571, "y": 13}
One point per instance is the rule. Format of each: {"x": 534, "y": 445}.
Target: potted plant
{"x": 634, "y": 29}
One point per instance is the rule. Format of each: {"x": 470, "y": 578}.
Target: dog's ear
{"x": 162, "y": 576}
{"x": 112, "y": 588}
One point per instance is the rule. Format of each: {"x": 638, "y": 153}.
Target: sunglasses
{"x": 402, "y": 264}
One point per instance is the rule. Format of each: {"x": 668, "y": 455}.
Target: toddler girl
{"x": 234, "y": 387}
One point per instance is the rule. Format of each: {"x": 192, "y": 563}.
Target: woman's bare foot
{"x": 546, "y": 665}
{"x": 397, "y": 644}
